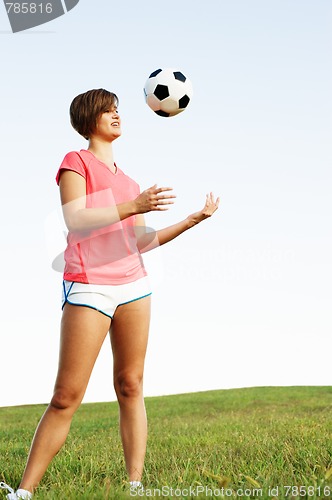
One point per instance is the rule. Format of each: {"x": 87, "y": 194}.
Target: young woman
{"x": 105, "y": 287}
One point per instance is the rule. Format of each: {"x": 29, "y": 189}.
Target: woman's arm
{"x": 148, "y": 240}
{"x": 80, "y": 218}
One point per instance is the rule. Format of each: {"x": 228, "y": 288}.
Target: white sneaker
{"x": 24, "y": 494}
{"x": 19, "y": 494}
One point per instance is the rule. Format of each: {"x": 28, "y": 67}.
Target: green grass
{"x": 227, "y": 441}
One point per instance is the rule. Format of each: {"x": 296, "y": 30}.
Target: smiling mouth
{"x": 115, "y": 124}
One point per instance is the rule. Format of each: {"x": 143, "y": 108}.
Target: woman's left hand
{"x": 209, "y": 208}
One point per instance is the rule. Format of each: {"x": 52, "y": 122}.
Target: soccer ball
{"x": 168, "y": 92}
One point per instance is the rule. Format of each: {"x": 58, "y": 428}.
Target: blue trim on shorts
{"x": 133, "y": 300}
{"x": 86, "y": 305}
{"x": 69, "y": 289}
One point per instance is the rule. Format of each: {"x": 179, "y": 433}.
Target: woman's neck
{"x": 103, "y": 151}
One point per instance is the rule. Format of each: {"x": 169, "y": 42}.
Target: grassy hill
{"x": 265, "y": 442}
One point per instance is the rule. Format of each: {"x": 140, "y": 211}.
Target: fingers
{"x": 155, "y": 190}
{"x": 211, "y": 205}
{"x": 160, "y": 202}
{"x": 159, "y": 198}
{"x": 210, "y": 199}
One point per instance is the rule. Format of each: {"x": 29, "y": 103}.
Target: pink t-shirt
{"x": 106, "y": 256}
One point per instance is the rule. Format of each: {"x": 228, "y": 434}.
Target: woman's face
{"x": 108, "y": 125}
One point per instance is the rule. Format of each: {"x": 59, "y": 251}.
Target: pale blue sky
{"x": 244, "y": 299}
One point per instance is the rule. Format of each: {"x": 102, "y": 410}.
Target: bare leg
{"x": 83, "y": 331}
{"x": 129, "y": 336}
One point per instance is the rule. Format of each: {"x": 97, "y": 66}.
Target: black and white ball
{"x": 168, "y": 92}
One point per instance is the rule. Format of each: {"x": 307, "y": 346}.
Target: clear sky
{"x": 244, "y": 299}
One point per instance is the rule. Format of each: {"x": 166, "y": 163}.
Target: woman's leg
{"x": 83, "y": 331}
{"x": 129, "y": 336}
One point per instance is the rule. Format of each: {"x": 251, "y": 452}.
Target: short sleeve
{"x": 72, "y": 161}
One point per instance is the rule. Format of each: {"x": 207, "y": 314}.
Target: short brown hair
{"x": 86, "y": 108}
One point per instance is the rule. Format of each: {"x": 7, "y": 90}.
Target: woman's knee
{"x": 128, "y": 385}
{"x": 65, "y": 399}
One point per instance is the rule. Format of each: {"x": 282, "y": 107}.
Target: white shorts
{"x": 104, "y": 298}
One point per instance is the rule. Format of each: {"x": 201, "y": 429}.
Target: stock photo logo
{"x": 25, "y": 15}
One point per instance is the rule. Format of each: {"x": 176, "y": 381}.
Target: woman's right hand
{"x": 153, "y": 199}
